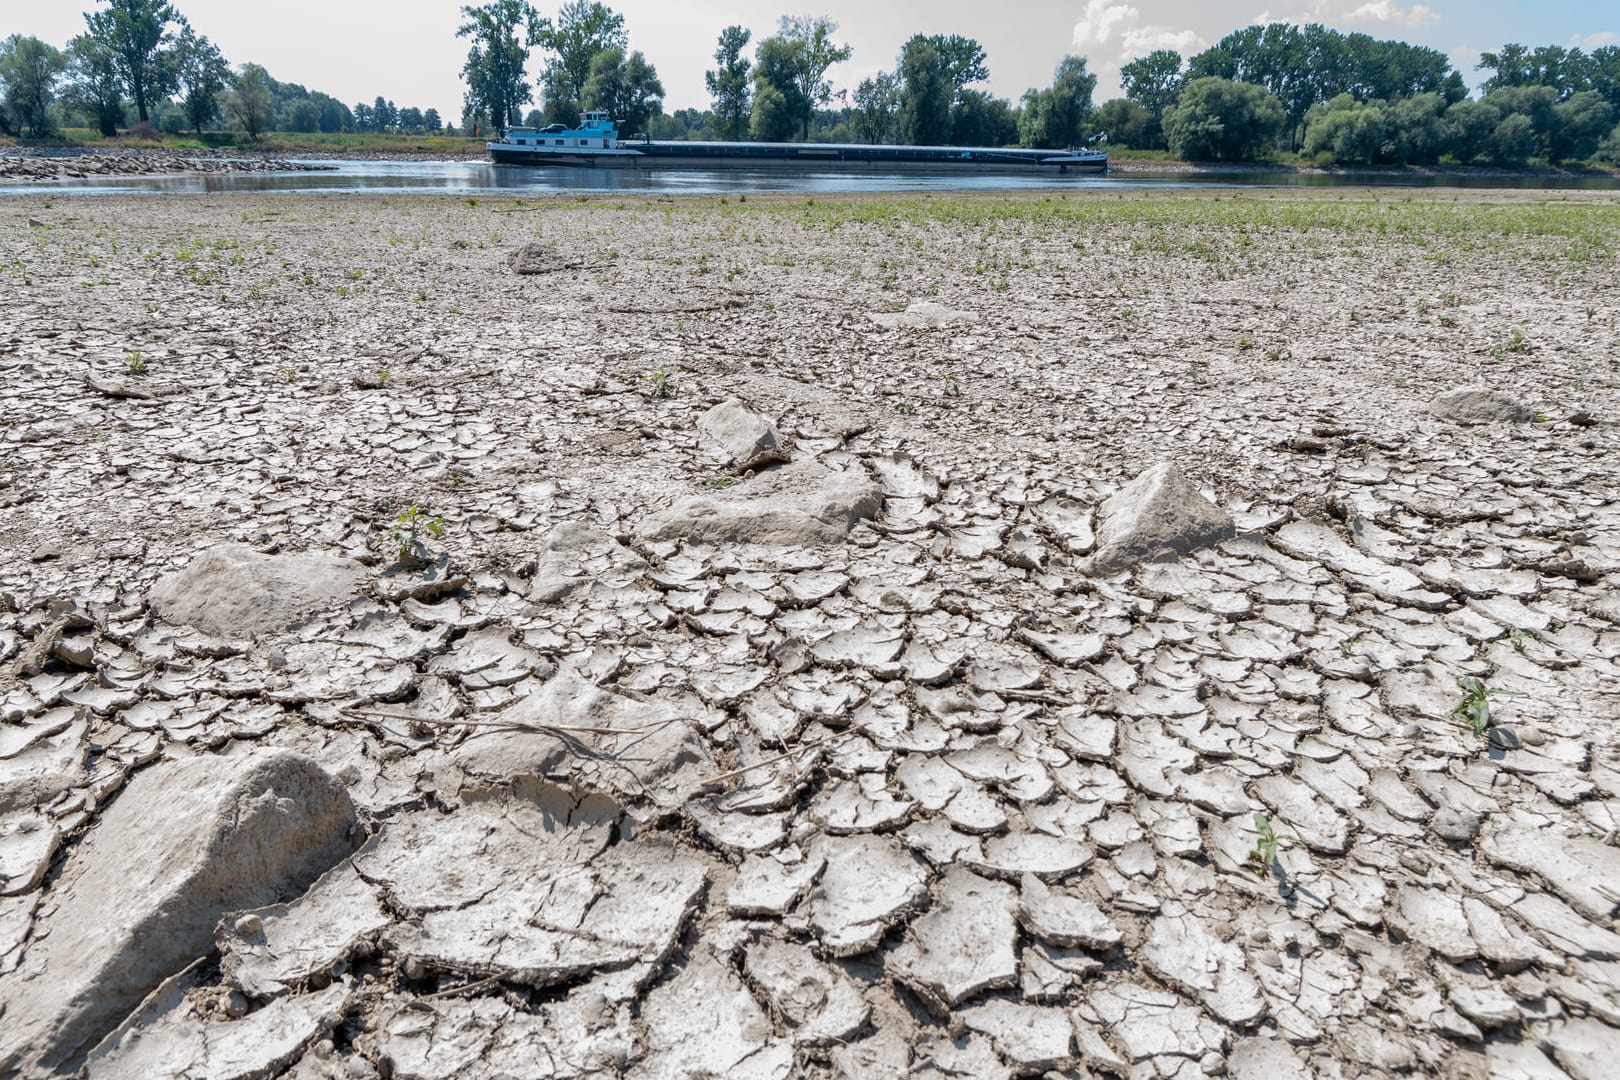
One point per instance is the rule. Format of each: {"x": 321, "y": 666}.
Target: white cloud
{"x": 1388, "y": 11}
{"x": 1588, "y": 42}
{"x": 1110, "y": 34}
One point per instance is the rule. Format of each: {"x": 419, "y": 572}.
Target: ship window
{"x": 561, "y": 141}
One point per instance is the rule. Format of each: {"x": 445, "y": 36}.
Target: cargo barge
{"x": 595, "y": 144}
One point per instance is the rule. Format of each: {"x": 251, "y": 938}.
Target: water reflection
{"x": 484, "y": 178}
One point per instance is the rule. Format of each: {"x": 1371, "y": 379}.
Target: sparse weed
{"x": 1475, "y": 707}
{"x": 1266, "y": 846}
{"x": 135, "y": 362}
{"x": 407, "y": 535}
{"x": 1517, "y": 638}
{"x": 1279, "y": 352}
{"x": 659, "y": 383}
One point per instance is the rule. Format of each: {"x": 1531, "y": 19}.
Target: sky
{"x": 407, "y": 51}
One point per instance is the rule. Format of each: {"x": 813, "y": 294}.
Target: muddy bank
{"x": 1369, "y": 172}
{"x": 860, "y": 631}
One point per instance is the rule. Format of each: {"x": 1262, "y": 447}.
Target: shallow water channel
{"x": 484, "y": 178}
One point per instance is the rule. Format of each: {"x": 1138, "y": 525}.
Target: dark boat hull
{"x": 803, "y": 157}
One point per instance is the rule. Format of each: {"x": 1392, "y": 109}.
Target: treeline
{"x": 140, "y": 64}
{"x": 1348, "y": 99}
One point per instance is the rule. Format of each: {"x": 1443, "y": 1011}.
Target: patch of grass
{"x": 1266, "y": 845}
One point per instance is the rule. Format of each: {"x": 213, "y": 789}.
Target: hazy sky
{"x": 406, "y": 50}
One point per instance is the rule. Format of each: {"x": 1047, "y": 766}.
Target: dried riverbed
{"x": 935, "y": 751}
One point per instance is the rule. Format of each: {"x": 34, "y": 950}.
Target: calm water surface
{"x": 484, "y": 178}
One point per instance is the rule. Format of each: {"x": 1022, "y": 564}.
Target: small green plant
{"x": 719, "y": 481}
{"x": 953, "y": 388}
{"x": 659, "y": 385}
{"x": 1475, "y": 707}
{"x": 1448, "y": 320}
{"x": 1348, "y": 645}
{"x": 287, "y": 372}
{"x": 407, "y": 534}
{"x": 384, "y": 375}
{"x": 1279, "y": 352}
{"x": 1245, "y": 342}
{"x": 1517, "y": 638}
{"x": 135, "y": 362}
{"x": 1266, "y": 846}
{"x": 1516, "y": 342}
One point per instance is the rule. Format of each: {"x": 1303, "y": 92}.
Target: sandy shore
{"x": 935, "y": 752}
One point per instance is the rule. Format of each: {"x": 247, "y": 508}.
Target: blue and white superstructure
{"x": 595, "y": 143}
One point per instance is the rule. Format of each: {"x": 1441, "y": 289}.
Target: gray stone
{"x": 1159, "y": 509}
{"x": 266, "y": 952}
{"x": 800, "y": 504}
{"x": 232, "y": 591}
{"x": 1480, "y": 405}
{"x": 744, "y": 439}
{"x": 140, "y": 896}
{"x": 1457, "y": 825}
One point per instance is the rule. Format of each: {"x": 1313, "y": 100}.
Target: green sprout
{"x": 135, "y": 362}
{"x": 407, "y": 535}
{"x": 1266, "y": 846}
{"x": 1475, "y": 707}
{"x": 658, "y": 383}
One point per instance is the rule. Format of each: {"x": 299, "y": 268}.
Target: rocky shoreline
{"x": 75, "y": 164}
{"x": 1155, "y": 635}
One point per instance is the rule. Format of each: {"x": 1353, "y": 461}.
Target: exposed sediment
{"x": 771, "y": 690}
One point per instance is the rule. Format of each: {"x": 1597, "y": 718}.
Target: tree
{"x": 93, "y": 86}
{"x": 776, "y": 62}
{"x": 1513, "y": 141}
{"x": 410, "y": 120}
{"x": 1417, "y": 134}
{"x": 249, "y": 100}
{"x": 1347, "y": 131}
{"x": 363, "y": 120}
{"x": 982, "y": 120}
{"x": 333, "y": 114}
{"x": 774, "y": 118}
{"x": 1538, "y": 104}
{"x": 583, "y": 29}
{"x": 203, "y": 74}
{"x": 1222, "y": 120}
{"x": 1468, "y": 126}
{"x": 877, "y": 103}
{"x": 817, "y": 52}
{"x": 728, "y": 84}
{"x": 1583, "y": 121}
{"x": 1055, "y": 117}
{"x": 497, "y": 84}
{"x": 141, "y": 34}
{"x": 1153, "y": 82}
{"x": 926, "y": 94}
{"x": 431, "y": 122}
{"x": 29, "y": 71}
{"x": 384, "y": 115}
{"x": 627, "y": 87}
{"x": 1128, "y": 123}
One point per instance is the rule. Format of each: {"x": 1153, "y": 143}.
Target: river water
{"x": 478, "y": 178}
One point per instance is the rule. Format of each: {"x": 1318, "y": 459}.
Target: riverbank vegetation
{"x": 1278, "y": 93}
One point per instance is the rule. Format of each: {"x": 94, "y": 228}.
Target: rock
{"x": 1060, "y": 919}
{"x": 964, "y": 945}
{"x": 1586, "y": 1048}
{"x": 167, "y": 1036}
{"x": 1159, "y": 509}
{"x": 869, "y": 884}
{"x": 1480, "y": 405}
{"x": 140, "y": 896}
{"x": 232, "y": 591}
{"x": 745, "y": 439}
{"x": 925, "y": 314}
{"x": 1455, "y": 824}
{"x": 799, "y": 504}
{"x": 1032, "y": 1038}
{"x": 574, "y": 555}
{"x": 40, "y": 761}
{"x": 538, "y": 258}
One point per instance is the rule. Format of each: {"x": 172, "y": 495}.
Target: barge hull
{"x": 800, "y": 157}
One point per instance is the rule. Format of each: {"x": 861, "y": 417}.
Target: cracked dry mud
{"x": 862, "y": 636}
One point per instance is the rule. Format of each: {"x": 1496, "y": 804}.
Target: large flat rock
{"x": 800, "y": 504}
{"x": 139, "y": 898}
{"x": 1157, "y": 510}
{"x": 232, "y": 591}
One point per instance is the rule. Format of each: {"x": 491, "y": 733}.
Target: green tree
{"x": 1608, "y": 150}
{"x": 1128, "y": 124}
{"x": 141, "y": 34}
{"x": 249, "y": 100}
{"x": 980, "y": 119}
{"x": 1153, "y": 82}
{"x": 728, "y": 84}
{"x": 926, "y": 94}
{"x": 1468, "y": 126}
{"x": 583, "y": 29}
{"x": 877, "y": 105}
{"x": 93, "y": 85}
{"x": 30, "y": 70}
{"x": 410, "y": 120}
{"x": 1513, "y": 141}
{"x": 627, "y": 87}
{"x": 203, "y": 75}
{"x": 1582, "y": 121}
{"x": 383, "y": 114}
{"x": 502, "y": 32}
{"x": 794, "y": 63}
{"x": 1417, "y": 134}
{"x": 1538, "y": 104}
{"x": 363, "y": 120}
{"x": 431, "y": 122}
{"x": 1222, "y": 120}
{"x": 775, "y": 118}
{"x": 1348, "y": 131}
{"x": 1056, "y": 117}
